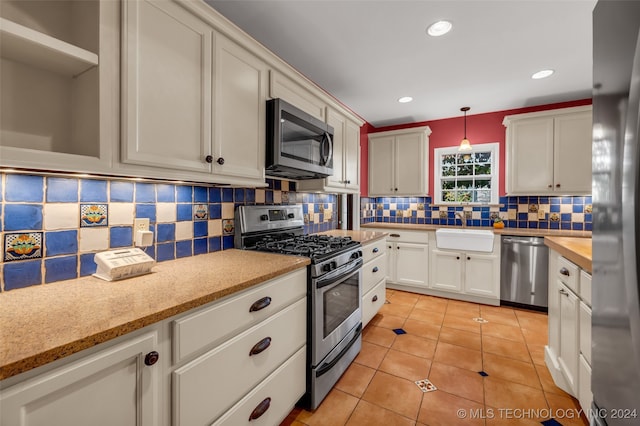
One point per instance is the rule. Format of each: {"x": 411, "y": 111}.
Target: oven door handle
{"x": 328, "y": 366}
{"x": 340, "y": 274}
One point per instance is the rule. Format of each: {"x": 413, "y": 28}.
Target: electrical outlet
{"x": 541, "y": 214}
{"x": 141, "y": 224}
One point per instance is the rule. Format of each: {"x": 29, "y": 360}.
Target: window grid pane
{"x": 466, "y": 177}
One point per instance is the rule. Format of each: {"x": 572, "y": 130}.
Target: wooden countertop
{"x": 531, "y": 232}
{"x": 43, "y": 323}
{"x": 363, "y": 236}
{"x": 577, "y": 250}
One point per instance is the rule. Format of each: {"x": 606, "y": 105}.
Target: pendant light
{"x": 465, "y": 145}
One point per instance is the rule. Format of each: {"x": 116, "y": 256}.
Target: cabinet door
{"x": 482, "y": 275}
{"x": 585, "y": 331}
{"x": 338, "y": 122}
{"x": 391, "y": 262}
{"x": 411, "y": 264}
{"x": 569, "y": 350}
{"x": 530, "y": 156}
{"x": 572, "y": 158}
{"x": 410, "y": 164}
{"x": 381, "y": 166}
{"x": 446, "y": 270}
{"x": 239, "y": 112}
{"x": 352, "y": 156}
{"x": 167, "y": 86}
{"x": 585, "y": 396}
{"x": 111, "y": 387}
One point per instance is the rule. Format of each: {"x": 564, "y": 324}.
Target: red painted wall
{"x": 481, "y": 128}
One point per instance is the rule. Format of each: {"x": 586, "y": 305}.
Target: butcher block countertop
{"x": 531, "y": 232}
{"x": 43, "y": 323}
{"x": 577, "y": 250}
{"x": 363, "y": 236}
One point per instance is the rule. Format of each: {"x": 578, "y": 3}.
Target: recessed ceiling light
{"x": 439, "y": 28}
{"x": 542, "y": 74}
{"x": 405, "y": 99}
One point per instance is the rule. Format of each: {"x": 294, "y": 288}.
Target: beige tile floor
{"x": 445, "y": 345}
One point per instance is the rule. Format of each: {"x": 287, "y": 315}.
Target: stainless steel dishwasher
{"x": 524, "y": 272}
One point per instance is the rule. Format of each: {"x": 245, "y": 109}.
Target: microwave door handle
{"x": 326, "y": 140}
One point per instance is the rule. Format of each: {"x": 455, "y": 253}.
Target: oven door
{"x": 335, "y": 309}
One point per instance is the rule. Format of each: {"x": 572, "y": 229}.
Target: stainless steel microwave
{"x": 299, "y": 146}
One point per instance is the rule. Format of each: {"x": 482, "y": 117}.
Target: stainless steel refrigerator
{"x": 615, "y": 380}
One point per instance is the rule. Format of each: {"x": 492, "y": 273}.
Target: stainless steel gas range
{"x": 334, "y": 313}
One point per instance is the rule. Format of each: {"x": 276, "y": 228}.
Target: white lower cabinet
{"x": 110, "y": 387}
{"x": 228, "y": 357}
{"x": 374, "y": 279}
{"x": 468, "y": 275}
{"x": 211, "y": 384}
{"x": 408, "y": 258}
{"x": 568, "y": 354}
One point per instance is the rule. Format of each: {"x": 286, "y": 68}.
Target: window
{"x": 469, "y": 177}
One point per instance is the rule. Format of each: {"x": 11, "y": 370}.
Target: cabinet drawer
{"x": 281, "y": 389}
{"x": 373, "y": 272}
{"x": 419, "y": 237}
{"x": 372, "y": 301}
{"x": 373, "y": 250}
{"x": 568, "y": 273}
{"x": 212, "y": 383}
{"x": 227, "y": 318}
{"x": 585, "y": 331}
{"x": 585, "y": 287}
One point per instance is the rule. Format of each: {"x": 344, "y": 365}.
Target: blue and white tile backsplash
{"x": 569, "y": 213}
{"x": 53, "y": 226}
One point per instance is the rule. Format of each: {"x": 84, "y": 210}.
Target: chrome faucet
{"x": 462, "y": 219}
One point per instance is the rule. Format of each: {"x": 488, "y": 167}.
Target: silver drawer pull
{"x": 564, "y": 292}
{"x": 374, "y": 298}
{"x": 375, "y": 269}
{"x": 394, "y": 235}
{"x": 260, "y": 304}
{"x": 375, "y": 249}
{"x": 564, "y": 271}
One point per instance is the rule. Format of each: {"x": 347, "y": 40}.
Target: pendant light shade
{"x": 465, "y": 145}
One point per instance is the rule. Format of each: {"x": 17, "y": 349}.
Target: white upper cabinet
{"x": 239, "y": 112}
{"x": 281, "y": 86}
{"x": 194, "y": 100}
{"x": 346, "y": 158}
{"x": 167, "y": 79}
{"x": 398, "y": 162}
{"x": 59, "y": 74}
{"x": 549, "y": 152}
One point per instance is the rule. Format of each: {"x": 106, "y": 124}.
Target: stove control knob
{"x": 356, "y": 254}
{"x": 264, "y": 217}
{"x": 327, "y": 267}
{"x": 291, "y": 216}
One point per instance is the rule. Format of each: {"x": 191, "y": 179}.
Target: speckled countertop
{"x": 577, "y": 250}
{"x": 363, "y": 236}
{"x": 505, "y": 231}
{"x": 43, "y": 323}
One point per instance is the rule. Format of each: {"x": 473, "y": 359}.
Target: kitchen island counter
{"x": 41, "y": 324}
{"x": 577, "y": 250}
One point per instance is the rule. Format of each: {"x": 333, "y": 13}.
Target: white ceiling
{"x": 369, "y": 53}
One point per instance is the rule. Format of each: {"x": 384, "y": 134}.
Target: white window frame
{"x": 494, "y": 147}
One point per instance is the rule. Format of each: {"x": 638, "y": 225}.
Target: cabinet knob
{"x": 260, "y": 409}
{"x": 468, "y": 258}
{"x": 394, "y": 235}
{"x": 374, "y": 298}
{"x": 208, "y": 159}
{"x": 389, "y": 246}
{"x": 220, "y": 161}
{"x": 549, "y": 186}
{"x": 395, "y": 189}
{"x": 260, "y": 346}
{"x": 557, "y": 185}
{"x": 260, "y": 304}
{"x": 375, "y": 269}
{"x": 564, "y": 271}
{"x": 348, "y": 182}
{"x": 375, "y": 249}
{"x": 458, "y": 257}
{"x": 151, "y": 358}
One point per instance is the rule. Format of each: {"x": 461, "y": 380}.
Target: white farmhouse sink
{"x": 465, "y": 239}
